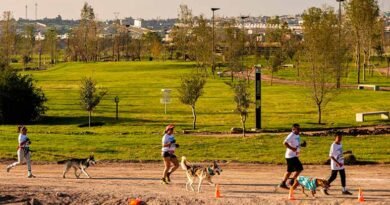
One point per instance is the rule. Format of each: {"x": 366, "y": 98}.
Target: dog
{"x": 310, "y": 184}
{"x": 78, "y": 164}
{"x": 198, "y": 171}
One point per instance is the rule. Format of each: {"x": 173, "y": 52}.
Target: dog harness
{"x": 210, "y": 171}
{"x": 307, "y": 182}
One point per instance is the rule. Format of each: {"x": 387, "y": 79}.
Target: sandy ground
{"x": 116, "y": 183}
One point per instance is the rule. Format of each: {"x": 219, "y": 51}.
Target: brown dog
{"x": 310, "y": 184}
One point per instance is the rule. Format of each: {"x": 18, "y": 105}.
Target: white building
{"x": 138, "y": 23}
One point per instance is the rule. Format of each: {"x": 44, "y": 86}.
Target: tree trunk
{"x": 272, "y": 76}
{"x": 194, "y": 115}
{"x": 319, "y": 114}
{"x": 358, "y": 61}
{"x": 243, "y": 125}
{"x": 89, "y": 119}
{"x": 388, "y": 67}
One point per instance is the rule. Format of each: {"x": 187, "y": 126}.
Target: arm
{"x": 288, "y": 146}
{"x": 335, "y": 160}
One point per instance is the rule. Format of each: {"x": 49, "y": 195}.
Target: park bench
{"x": 288, "y": 65}
{"x": 361, "y": 86}
{"x": 360, "y": 116}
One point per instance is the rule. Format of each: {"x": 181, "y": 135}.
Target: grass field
{"x": 136, "y": 136}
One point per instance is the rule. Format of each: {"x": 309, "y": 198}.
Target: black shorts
{"x": 294, "y": 165}
{"x": 167, "y": 154}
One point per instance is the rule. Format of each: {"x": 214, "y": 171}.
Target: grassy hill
{"x": 138, "y": 132}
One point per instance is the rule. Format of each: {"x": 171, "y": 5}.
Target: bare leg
{"x": 286, "y": 176}
{"x": 175, "y": 163}
{"x": 167, "y": 164}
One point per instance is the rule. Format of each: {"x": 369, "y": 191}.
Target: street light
{"x": 338, "y": 84}
{"x": 213, "y": 53}
{"x": 243, "y": 41}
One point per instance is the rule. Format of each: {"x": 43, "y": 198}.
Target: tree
{"x": 242, "y": 98}
{"x": 20, "y": 100}
{"x": 362, "y": 16}
{"x": 232, "y": 46}
{"x": 191, "y": 88}
{"x": 83, "y": 39}
{"x": 202, "y": 43}
{"x": 7, "y": 37}
{"x": 51, "y": 44}
{"x": 320, "y": 51}
{"x": 275, "y": 62}
{"x": 181, "y": 32}
{"x": 90, "y": 96}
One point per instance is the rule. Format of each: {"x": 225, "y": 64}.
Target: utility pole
{"x": 338, "y": 73}
{"x": 36, "y": 11}
{"x": 213, "y": 53}
{"x": 243, "y": 42}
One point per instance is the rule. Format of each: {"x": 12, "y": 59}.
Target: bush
{"x": 20, "y": 100}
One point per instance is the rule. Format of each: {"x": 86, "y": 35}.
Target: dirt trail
{"x": 115, "y": 183}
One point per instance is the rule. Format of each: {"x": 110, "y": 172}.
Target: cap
{"x": 170, "y": 126}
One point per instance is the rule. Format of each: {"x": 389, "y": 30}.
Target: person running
{"x": 337, "y": 164}
{"x": 23, "y": 151}
{"x": 168, "y": 153}
{"x": 292, "y": 144}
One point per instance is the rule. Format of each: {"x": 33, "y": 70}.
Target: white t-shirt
{"x": 165, "y": 140}
{"x": 336, "y": 151}
{"x": 294, "y": 141}
{"x": 22, "y": 138}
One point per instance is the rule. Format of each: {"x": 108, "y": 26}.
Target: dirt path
{"x": 240, "y": 184}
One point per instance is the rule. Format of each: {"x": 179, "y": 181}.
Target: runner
{"x": 23, "y": 151}
{"x": 337, "y": 164}
{"x": 168, "y": 153}
{"x": 292, "y": 143}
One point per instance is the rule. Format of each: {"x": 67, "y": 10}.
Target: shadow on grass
{"x": 77, "y": 120}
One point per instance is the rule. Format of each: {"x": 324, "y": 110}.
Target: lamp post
{"x": 243, "y": 41}
{"x": 258, "y": 96}
{"x": 116, "y": 100}
{"x": 213, "y": 53}
{"x": 338, "y": 84}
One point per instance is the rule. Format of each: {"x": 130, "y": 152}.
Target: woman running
{"x": 23, "y": 151}
{"x": 168, "y": 153}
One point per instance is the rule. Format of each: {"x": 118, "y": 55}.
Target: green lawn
{"x": 138, "y": 133}
{"x": 266, "y": 149}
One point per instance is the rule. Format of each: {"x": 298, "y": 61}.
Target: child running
{"x": 292, "y": 144}
{"x": 337, "y": 164}
{"x": 168, "y": 153}
{"x": 23, "y": 151}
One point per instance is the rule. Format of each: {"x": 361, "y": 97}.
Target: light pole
{"x": 258, "y": 96}
{"x": 338, "y": 83}
{"x": 243, "y": 41}
{"x": 213, "y": 53}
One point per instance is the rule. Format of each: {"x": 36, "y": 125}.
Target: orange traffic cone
{"x": 217, "y": 191}
{"x": 291, "y": 194}
{"x": 360, "y": 196}
{"x": 136, "y": 201}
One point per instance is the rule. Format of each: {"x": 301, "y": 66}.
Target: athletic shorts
{"x": 294, "y": 165}
{"x": 168, "y": 154}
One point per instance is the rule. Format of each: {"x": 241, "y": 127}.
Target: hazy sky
{"x": 70, "y": 9}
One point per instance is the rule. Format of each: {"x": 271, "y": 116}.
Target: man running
{"x": 292, "y": 143}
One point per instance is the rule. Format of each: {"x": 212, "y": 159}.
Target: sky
{"x": 149, "y": 9}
